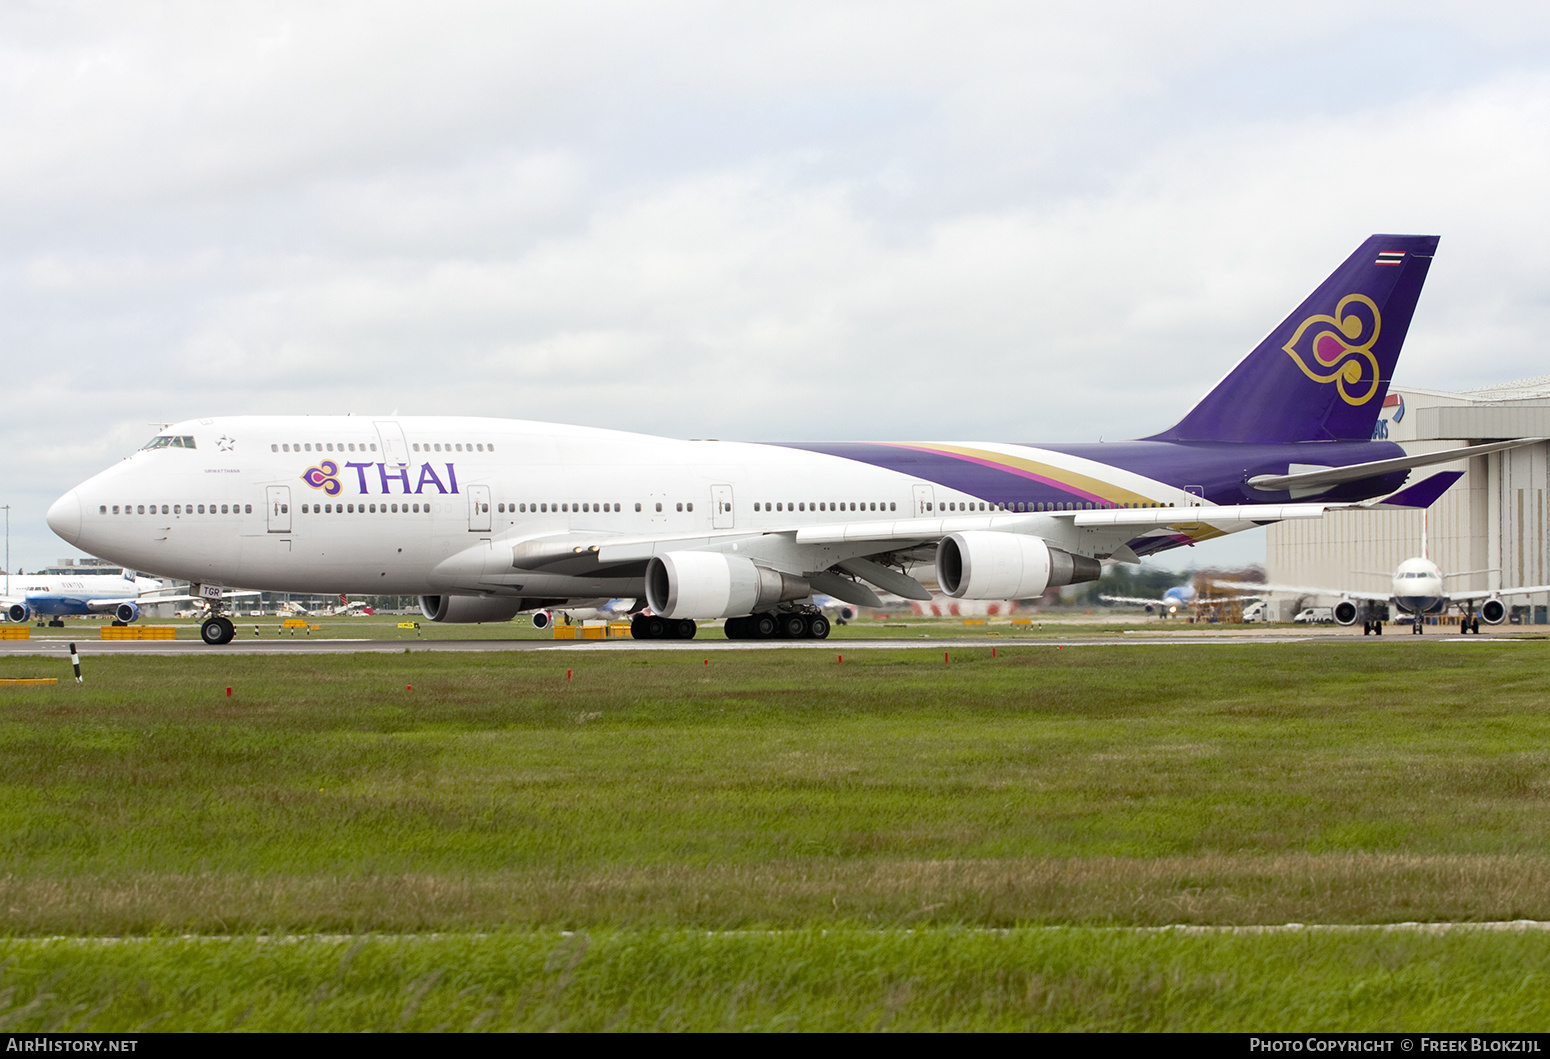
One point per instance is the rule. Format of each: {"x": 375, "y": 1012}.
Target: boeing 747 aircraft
{"x": 486, "y": 518}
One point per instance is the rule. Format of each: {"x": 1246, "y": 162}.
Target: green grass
{"x": 653, "y": 798}
{"x": 803, "y": 980}
{"x": 1141, "y": 785}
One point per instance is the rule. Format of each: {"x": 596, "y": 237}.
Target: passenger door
{"x": 722, "y": 515}
{"x": 278, "y": 498}
{"x": 923, "y": 503}
{"x": 394, "y": 448}
{"x": 478, "y": 509}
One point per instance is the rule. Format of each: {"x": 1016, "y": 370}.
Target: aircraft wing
{"x": 1303, "y": 590}
{"x": 104, "y": 605}
{"x": 888, "y": 533}
{"x": 150, "y": 600}
{"x": 1486, "y": 593}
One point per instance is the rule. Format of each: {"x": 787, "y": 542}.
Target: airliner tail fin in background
{"x": 1323, "y": 373}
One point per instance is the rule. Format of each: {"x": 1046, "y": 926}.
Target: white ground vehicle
{"x": 1315, "y": 616}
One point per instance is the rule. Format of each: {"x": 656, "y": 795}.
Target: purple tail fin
{"x": 1323, "y": 373}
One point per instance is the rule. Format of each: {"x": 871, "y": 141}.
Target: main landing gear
{"x": 217, "y": 630}
{"x": 785, "y": 625}
{"x": 1373, "y": 628}
{"x": 651, "y": 627}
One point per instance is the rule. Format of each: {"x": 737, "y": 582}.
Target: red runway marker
{"x": 841, "y": 661}
{"x": 944, "y": 658}
{"x": 408, "y": 687}
{"x": 228, "y": 693}
{"x": 992, "y": 652}
{"x": 567, "y": 674}
{"x": 707, "y": 663}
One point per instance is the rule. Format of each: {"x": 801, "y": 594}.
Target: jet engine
{"x": 1493, "y": 611}
{"x": 465, "y": 610}
{"x": 984, "y": 564}
{"x": 1347, "y": 612}
{"x": 714, "y": 585}
{"x": 18, "y": 612}
{"x": 126, "y": 612}
{"x": 542, "y": 619}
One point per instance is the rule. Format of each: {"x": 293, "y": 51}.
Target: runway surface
{"x": 317, "y": 645}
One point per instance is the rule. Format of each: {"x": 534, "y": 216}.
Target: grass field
{"x": 804, "y": 806}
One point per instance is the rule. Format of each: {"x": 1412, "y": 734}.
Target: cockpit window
{"x": 170, "y": 441}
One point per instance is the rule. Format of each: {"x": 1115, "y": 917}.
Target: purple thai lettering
{"x": 360, "y": 471}
{"x": 428, "y": 475}
{"x": 452, "y": 477}
{"x": 402, "y": 474}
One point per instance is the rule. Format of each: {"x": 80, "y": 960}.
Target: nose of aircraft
{"x": 64, "y": 518}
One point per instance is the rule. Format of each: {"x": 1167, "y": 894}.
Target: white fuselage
{"x": 57, "y": 595}
{"x": 1417, "y": 587}
{"x": 433, "y": 504}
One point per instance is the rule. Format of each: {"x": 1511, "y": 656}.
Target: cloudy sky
{"x": 1010, "y": 221}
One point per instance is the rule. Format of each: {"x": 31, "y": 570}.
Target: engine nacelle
{"x": 1347, "y": 612}
{"x": 1493, "y": 611}
{"x": 18, "y": 612}
{"x": 985, "y": 564}
{"x": 715, "y": 585}
{"x": 542, "y": 619}
{"x": 126, "y": 612}
{"x": 466, "y": 610}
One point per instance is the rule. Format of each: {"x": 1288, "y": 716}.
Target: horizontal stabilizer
{"x": 1423, "y": 494}
{"x": 1311, "y": 480}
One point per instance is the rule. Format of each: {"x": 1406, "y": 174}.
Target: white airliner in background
{"x": 55, "y": 596}
{"x": 486, "y": 518}
{"x": 1177, "y": 598}
{"x": 1418, "y": 589}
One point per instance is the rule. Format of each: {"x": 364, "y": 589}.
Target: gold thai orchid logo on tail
{"x": 1338, "y": 348}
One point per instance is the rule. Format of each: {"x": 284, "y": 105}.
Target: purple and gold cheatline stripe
{"x": 1084, "y": 486}
{"x": 1078, "y": 485}
{"x": 982, "y": 473}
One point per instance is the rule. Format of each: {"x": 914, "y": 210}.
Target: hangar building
{"x": 1490, "y": 526}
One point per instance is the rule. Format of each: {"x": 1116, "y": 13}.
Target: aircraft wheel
{"x": 684, "y": 629}
{"x": 1474, "y": 626}
{"x": 763, "y": 626}
{"x": 818, "y": 627}
{"x": 734, "y": 628}
{"x": 793, "y": 626}
{"x": 1366, "y": 628}
{"x": 1377, "y": 628}
{"x": 217, "y": 631}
